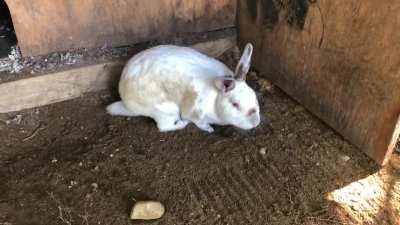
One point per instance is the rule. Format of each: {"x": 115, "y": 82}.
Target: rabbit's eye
{"x": 236, "y": 105}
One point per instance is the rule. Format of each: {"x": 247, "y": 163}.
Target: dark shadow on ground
{"x": 7, "y": 34}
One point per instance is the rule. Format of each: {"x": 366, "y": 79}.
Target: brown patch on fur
{"x": 187, "y": 103}
{"x": 195, "y": 115}
{"x": 147, "y": 92}
{"x": 185, "y": 96}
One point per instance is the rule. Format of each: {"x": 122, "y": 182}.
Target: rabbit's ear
{"x": 244, "y": 63}
{"x": 225, "y": 84}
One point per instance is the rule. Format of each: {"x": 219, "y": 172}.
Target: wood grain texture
{"x": 64, "y": 85}
{"x": 57, "y": 87}
{"x": 341, "y": 59}
{"x": 44, "y": 26}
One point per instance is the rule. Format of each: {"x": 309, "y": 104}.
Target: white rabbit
{"x": 177, "y": 85}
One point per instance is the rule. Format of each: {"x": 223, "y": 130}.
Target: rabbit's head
{"x": 237, "y": 103}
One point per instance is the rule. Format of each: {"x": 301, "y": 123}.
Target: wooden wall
{"x": 44, "y": 26}
{"x": 339, "y": 58}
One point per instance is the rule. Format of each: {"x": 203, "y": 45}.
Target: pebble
{"x": 298, "y": 109}
{"x": 147, "y": 210}
{"x": 72, "y": 184}
{"x": 95, "y": 185}
{"x": 345, "y": 158}
{"x": 17, "y": 119}
{"x": 263, "y": 151}
{"x": 266, "y": 85}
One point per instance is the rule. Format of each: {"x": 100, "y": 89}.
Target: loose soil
{"x": 71, "y": 163}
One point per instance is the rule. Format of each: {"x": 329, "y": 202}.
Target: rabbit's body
{"x": 174, "y": 85}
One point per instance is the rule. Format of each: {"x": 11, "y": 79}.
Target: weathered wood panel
{"x": 44, "y": 26}
{"x": 340, "y": 58}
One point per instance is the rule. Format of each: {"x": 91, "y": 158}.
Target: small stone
{"x": 111, "y": 155}
{"x": 147, "y": 210}
{"x": 54, "y": 160}
{"x": 345, "y": 158}
{"x": 17, "y": 119}
{"x": 95, "y": 185}
{"x": 263, "y": 151}
{"x": 298, "y": 109}
{"x": 266, "y": 85}
{"x": 72, "y": 184}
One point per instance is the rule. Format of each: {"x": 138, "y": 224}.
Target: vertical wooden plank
{"x": 341, "y": 59}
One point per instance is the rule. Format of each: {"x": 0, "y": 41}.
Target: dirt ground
{"x": 71, "y": 163}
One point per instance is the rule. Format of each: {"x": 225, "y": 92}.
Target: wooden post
{"x": 340, "y": 59}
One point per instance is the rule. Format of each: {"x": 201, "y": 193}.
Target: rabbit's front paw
{"x": 205, "y": 127}
{"x": 180, "y": 124}
{"x": 209, "y": 129}
{"x": 168, "y": 123}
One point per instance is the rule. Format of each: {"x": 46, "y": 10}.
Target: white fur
{"x": 118, "y": 109}
{"x": 175, "y": 85}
